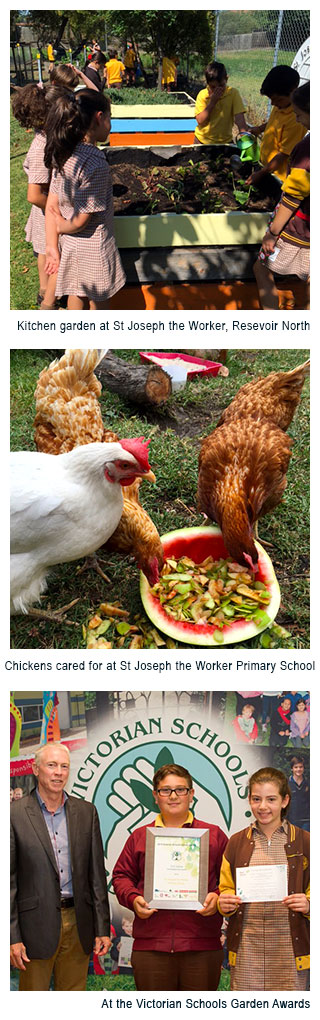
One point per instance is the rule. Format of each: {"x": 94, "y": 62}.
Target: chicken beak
{"x": 149, "y": 477}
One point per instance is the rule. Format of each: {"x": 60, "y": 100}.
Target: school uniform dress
{"x": 37, "y": 173}
{"x": 90, "y": 264}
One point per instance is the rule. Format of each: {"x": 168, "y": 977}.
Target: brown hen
{"x": 242, "y": 475}
{"x": 274, "y": 397}
{"x": 67, "y": 415}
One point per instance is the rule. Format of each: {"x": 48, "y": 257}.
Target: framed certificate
{"x": 176, "y": 868}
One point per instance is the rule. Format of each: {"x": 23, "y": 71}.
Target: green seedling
{"x": 242, "y": 197}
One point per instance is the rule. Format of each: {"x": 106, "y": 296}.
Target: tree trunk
{"x": 64, "y": 22}
{"x": 140, "y": 384}
{"x": 136, "y": 49}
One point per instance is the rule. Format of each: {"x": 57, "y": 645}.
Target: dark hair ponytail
{"x": 68, "y": 121}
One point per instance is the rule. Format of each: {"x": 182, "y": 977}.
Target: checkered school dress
{"x": 90, "y": 263}
{"x": 37, "y": 173}
{"x": 265, "y": 958}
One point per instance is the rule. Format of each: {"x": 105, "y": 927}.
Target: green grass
{"x": 175, "y": 433}
{"x": 24, "y": 269}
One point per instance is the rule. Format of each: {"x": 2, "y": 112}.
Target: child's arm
{"x": 73, "y": 226}
{"x": 258, "y": 129}
{"x": 276, "y": 163}
{"x": 52, "y": 250}
{"x": 282, "y": 217}
{"x": 241, "y": 123}
{"x": 87, "y": 83}
{"x": 37, "y": 194}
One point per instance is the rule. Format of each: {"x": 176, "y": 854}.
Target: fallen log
{"x": 140, "y": 384}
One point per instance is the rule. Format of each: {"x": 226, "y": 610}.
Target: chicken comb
{"x": 138, "y": 448}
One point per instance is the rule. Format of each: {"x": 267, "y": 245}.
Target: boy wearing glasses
{"x": 174, "y": 950}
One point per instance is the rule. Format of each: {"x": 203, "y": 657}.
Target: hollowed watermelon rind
{"x": 199, "y": 543}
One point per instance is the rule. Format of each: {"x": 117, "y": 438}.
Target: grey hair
{"x": 52, "y": 743}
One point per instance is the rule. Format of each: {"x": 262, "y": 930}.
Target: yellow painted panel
{"x": 141, "y": 111}
{"x": 174, "y": 230}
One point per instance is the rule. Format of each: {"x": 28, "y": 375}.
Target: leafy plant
{"x": 242, "y": 197}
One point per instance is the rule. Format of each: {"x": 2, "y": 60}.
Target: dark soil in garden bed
{"x": 207, "y": 186}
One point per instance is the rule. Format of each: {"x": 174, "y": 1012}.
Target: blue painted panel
{"x": 122, "y": 126}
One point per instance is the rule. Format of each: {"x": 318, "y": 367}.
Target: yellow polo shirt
{"x": 188, "y": 821}
{"x": 219, "y": 127}
{"x": 114, "y": 68}
{"x": 282, "y": 133}
{"x": 168, "y": 70}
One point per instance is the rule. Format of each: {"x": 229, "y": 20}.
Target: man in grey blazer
{"x": 59, "y": 903}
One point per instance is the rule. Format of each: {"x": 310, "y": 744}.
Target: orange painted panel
{"x": 154, "y": 138}
{"x": 233, "y": 296}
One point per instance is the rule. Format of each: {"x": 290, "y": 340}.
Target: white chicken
{"x": 63, "y": 508}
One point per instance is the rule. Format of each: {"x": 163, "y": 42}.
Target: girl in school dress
{"x": 29, "y": 107}
{"x": 268, "y": 942}
{"x": 79, "y": 212}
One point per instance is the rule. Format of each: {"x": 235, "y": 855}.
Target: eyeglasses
{"x": 180, "y": 791}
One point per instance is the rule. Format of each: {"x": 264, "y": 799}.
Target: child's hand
{"x": 228, "y": 903}
{"x": 52, "y": 261}
{"x": 209, "y": 905}
{"x": 258, "y": 129}
{"x": 268, "y": 245}
{"x": 297, "y": 902}
{"x": 255, "y": 178}
{"x": 217, "y": 94}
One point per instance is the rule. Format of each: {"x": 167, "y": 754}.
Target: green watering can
{"x": 249, "y": 147}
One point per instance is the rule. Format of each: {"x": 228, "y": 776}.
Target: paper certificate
{"x": 125, "y": 950}
{"x": 262, "y": 883}
{"x": 176, "y": 868}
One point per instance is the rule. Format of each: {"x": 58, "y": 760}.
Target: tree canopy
{"x": 158, "y": 32}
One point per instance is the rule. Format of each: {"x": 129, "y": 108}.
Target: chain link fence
{"x": 250, "y": 43}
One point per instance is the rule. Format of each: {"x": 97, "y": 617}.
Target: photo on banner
{"x": 117, "y": 741}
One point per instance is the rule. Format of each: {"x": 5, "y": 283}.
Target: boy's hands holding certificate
{"x": 210, "y": 905}
{"x": 142, "y": 909}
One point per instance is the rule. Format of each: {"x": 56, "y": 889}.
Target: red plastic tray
{"x": 198, "y": 366}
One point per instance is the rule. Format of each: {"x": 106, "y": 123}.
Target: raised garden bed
{"x": 186, "y": 196}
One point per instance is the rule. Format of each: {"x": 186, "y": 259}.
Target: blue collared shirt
{"x": 56, "y": 822}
